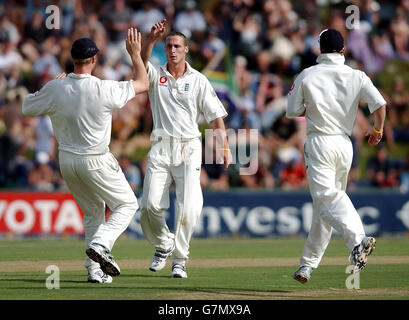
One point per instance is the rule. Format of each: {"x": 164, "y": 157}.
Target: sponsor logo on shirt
{"x": 162, "y": 81}
{"x": 187, "y": 85}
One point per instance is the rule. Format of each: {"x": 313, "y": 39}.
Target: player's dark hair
{"x": 177, "y": 33}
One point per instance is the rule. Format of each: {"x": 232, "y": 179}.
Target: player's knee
{"x": 152, "y": 207}
{"x": 324, "y": 195}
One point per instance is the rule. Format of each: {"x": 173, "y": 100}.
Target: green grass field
{"x": 225, "y": 268}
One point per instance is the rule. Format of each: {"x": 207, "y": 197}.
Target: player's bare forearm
{"x": 376, "y": 132}
{"x": 133, "y": 46}
{"x": 221, "y": 140}
{"x": 147, "y": 51}
{"x": 157, "y": 31}
{"x": 379, "y": 118}
{"x": 141, "y": 80}
{"x": 218, "y": 125}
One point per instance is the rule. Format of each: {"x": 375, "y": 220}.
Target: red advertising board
{"x": 38, "y": 213}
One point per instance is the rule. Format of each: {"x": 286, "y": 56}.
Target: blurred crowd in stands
{"x": 258, "y": 46}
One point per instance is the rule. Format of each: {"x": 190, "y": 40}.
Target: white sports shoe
{"x": 159, "y": 259}
{"x": 179, "y": 271}
{"x": 103, "y": 256}
{"x": 303, "y": 274}
{"x": 96, "y": 275}
{"x": 359, "y": 255}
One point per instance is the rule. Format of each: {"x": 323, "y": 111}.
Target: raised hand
{"x": 133, "y": 42}
{"x": 158, "y": 30}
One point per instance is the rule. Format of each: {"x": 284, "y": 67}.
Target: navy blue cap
{"x": 330, "y": 41}
{"x": 83, "y": 48}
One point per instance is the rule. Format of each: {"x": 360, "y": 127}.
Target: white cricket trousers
{"x": 96, "y": 180}
{"x": 328, "y": 160}
{"x": 179, "y": 161}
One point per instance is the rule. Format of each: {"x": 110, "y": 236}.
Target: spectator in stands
{"x": 8, "y": 31}
{"x": 400, "y": 33}
{"x": 293, "y": 175}
{"x": 212, "y": 49}
{"x": 46, "y": 67}
{"x": 404, "y": 175}
{"x": 270, "y": 100}
{"x": 245, "y": 101}
{"x": 399, "y": 113}
{"x": 283, "y": 136}
{"x": 117, "y": 20}
{"x": 10, "y": 58}
{"x": 35, "y": 29}
{"x": 40, "y": 176}
{"x": 68, "y": 15}
{"x": 272, "y": 34}
{"x": 190, "y": 19}
{"x": 147, "y": 16}
{"x": 45, "y": 140}
{"x": 131, "y": 172}
{"x": 262, "y": 178}
{"x": 249, "y": 28}
{"x": 381, "y": 171}
{"x": 213, "y": 175}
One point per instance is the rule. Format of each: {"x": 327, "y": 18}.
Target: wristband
{"x": 225, "y": 149}
{"x": 378, "y": 132}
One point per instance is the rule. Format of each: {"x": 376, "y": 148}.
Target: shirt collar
{"x": 78, "y": 75}
{"x": 189, "y": 69}
{"x": 331, "y": 58}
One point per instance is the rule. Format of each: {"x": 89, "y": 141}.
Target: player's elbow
{"x": 141, "y": 86}
{"x": 25, "y": 108}
{"x": 290, "y": 113}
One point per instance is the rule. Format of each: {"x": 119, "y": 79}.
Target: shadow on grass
{"x": 83, "y": 284}
{"x": 153, "y": 275}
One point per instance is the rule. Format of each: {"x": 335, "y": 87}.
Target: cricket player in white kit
{"x": 178, "y": 94}
{"x": 80, "y": 107}
{"x": 328, "y": 95}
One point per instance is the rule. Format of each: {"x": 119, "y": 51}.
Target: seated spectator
{"x": 249, "y": 29}
{"x": 117, "y": 20}
{"x": 8, "y": 31}
{"x": 9, "y": 57}
{"x": 131, "y": 172}
{"x": 262, "y": 178}
{"x": 147, "y": 16}
{"x": 212, "y": 49}
{"x": 399, "y": 111}
{"x": 245, "y": 101}
{"x": 45, "y": 140}
{"x": 190, "y": 19}
{"x": 270, "y": 100}
{"x": 214, "y": 176}
{"x": 400, "y": 35}
{"x": 293, "y": 175}
{"x": 35, "y": 29}
{"x": 283, "y": 136}
{"x": 381, "y": 171}
{"x": 46, "y": 66}
{"x": 404, "y": 175}
{"x": 40, "y": 176}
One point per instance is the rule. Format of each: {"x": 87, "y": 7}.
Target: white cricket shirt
{"x": 80, "y": 108}
{"x": 177, "y": 104}
{"x": 329, "y": 93}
